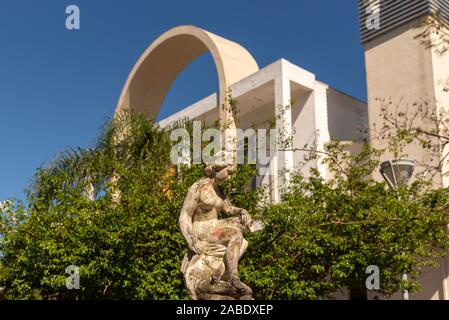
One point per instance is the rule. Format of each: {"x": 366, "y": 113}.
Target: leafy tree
{"x": 325, "y": 233}
{"x": 112, "y": 211}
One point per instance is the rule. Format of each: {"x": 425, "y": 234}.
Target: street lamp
{"x": 397, "y": 173}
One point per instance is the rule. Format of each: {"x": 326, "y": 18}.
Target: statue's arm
{"x": 230, "y": 210}
{"x": 185, "y": 218}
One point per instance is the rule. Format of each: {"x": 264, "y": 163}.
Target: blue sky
{"x": 58, "y": 87}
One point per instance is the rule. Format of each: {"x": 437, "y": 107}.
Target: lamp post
{"x": 397, "y": 173}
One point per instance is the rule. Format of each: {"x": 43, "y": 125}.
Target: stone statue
{"x": 210, "y": 266}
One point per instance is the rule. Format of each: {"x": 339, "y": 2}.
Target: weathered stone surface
{"x": 215, "y": 245}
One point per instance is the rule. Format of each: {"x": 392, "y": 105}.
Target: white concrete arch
{"x": 152, "y": 76}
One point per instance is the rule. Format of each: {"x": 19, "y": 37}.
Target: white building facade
{"x": 398, "y": 67}
{"x": 306, "y": 109}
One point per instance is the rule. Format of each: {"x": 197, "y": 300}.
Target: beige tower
{"x": 402, "y": 70}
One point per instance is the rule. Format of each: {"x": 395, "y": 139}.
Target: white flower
{"x": 4, "y": 205}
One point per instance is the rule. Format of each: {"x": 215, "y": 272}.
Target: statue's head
{"x": 221, "y": 166}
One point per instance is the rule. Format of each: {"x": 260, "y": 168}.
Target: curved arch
{"x": 160, "y": 64}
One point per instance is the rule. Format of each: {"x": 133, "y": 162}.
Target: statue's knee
{"x": 237, "y": 239}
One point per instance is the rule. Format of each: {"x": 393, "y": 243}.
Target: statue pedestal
{"x": 223, "y": 297}
{"x": 199, "y": 271}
